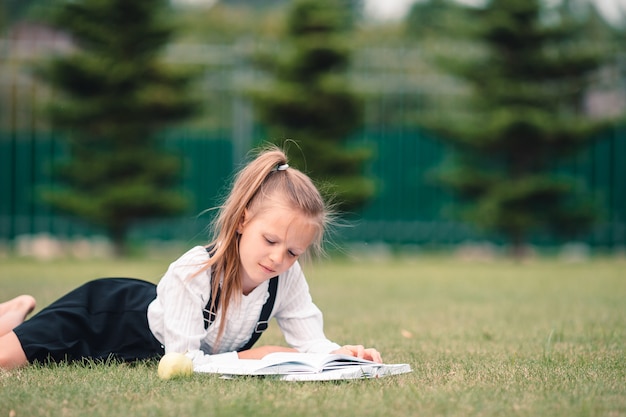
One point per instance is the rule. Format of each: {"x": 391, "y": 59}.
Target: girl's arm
{"x": 352, "y": 350}
{"x": 299, "y": 319}
{"x": 302, "y": 322}
{"x": 260, "y": 352}
{"x": 176, "y": 315}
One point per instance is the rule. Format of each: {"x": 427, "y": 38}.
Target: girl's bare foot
{"x": 14, "y": 312}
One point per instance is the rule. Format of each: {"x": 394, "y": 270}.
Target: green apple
{"x": 174, "y": 365}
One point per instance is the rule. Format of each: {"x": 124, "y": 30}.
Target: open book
{"x": 293, "y": 366}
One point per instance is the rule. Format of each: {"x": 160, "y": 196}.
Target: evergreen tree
{"x": 353, "y": 6}
{"x": 431, "y": 19}
{"x": 114, "y": 94}
{"x": 527, "y": 73}
{"x": 308, "y": 100}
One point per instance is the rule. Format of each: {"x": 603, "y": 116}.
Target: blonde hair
{"x": 259, "y": 183}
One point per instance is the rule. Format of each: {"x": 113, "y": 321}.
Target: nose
{"x": 277, "y": 255}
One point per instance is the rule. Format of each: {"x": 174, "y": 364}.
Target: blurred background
{"x": 480, "y": 128}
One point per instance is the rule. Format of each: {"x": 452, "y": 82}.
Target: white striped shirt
{"x": 176, "y": 315}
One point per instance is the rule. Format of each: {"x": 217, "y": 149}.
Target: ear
{"x": 242, "y": 222}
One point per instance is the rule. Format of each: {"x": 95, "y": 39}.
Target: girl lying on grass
{"x": 209, "y": 302}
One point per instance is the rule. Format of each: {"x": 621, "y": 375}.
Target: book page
{"x": 305, "y": 366}
{"x": 315, "y": 361}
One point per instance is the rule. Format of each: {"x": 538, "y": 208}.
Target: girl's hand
{"x": 258, "y": 353}
{"x": 360, "y": 352}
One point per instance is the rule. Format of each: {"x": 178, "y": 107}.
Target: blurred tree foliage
{"x": 308, "y": 100}
{"x": 4, "y": 18}
{"x": 353, "y": 8}
{"x": 431, "y": 20}
{"x": 224, "y": 23}
{"x": 527, "y": 69}
{"x": 237, "y": 20}
{"x": 113, "y": 94}
{"x": 12, "y": 10}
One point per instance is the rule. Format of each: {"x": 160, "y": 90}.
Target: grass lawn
{"x": 546, "y": 338}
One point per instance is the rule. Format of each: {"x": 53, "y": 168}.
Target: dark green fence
{"x": 409, "y": 207}
{"x": 412, "y": 209}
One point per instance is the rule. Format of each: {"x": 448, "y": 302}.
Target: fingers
{"x": 374, "y": 355}
{"x": 361, "y": 352}
{"x": 356, "y": 350}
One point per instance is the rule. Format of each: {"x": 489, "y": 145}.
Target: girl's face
{"x": 270, "y": 242}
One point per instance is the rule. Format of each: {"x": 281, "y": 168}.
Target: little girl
{"x": 212, "y": 303}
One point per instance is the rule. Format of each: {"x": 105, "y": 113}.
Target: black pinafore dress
{"x": 102, "y": 319}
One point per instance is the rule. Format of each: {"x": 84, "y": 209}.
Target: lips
{"x": 266, "y": 269}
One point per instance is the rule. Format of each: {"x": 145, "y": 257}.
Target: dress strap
{"x": 210, "y": 312}
{"x": 264, "y": 318}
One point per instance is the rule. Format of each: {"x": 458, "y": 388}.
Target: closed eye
{"x": 289, "y": 252}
